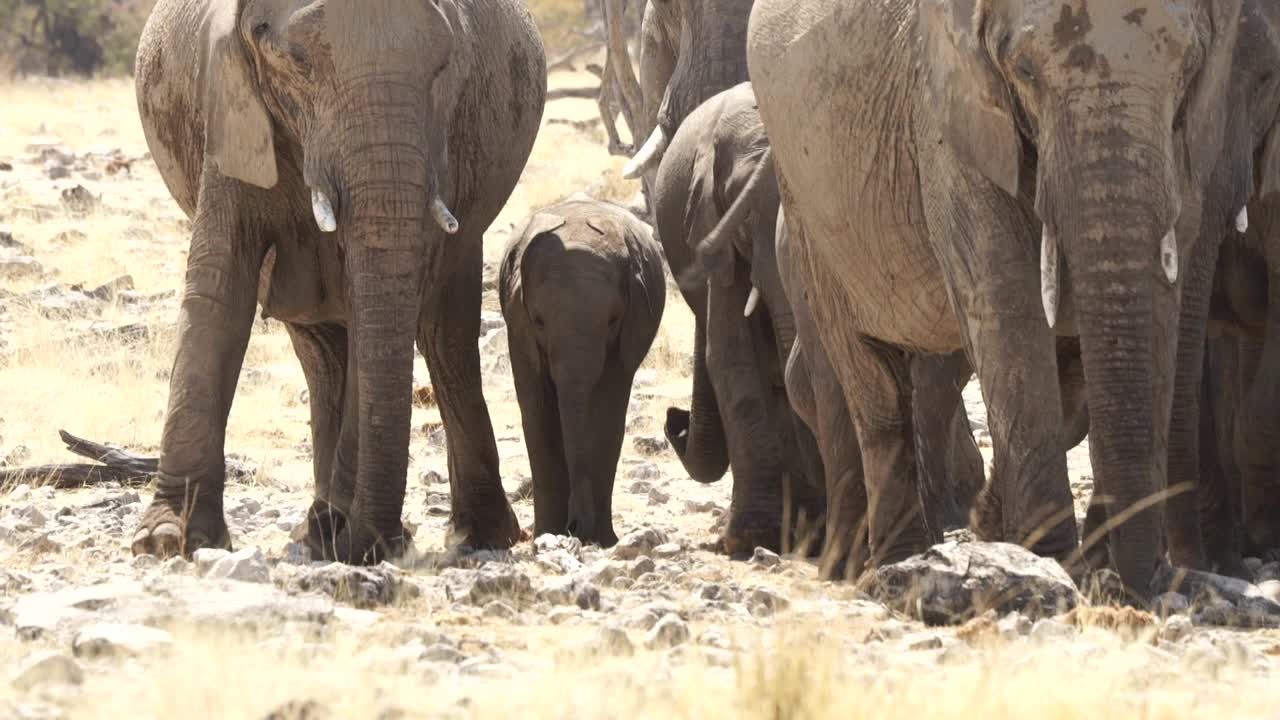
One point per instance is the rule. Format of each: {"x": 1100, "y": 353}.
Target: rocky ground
{"x": 91, "y": 256}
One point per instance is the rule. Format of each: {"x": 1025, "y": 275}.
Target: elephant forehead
{"x": 357, "y": 25}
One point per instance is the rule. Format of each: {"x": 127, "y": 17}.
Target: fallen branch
{"x": 574, "y": 92}
{"x": 117, "y": 465}
{"x": 565, "y": 61}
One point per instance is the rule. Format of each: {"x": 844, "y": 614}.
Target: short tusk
{"x": 752, "y": 301}
{"x": 1242, "y": 220}
{"x": 1049, "y": 276}
{"x": 322, "y": 207}
{"x": 649, "y": 153}
{"x": 1169, "y": 255}
{"x": 443, "y": 217}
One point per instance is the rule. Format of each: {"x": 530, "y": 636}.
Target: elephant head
{"x": 1101, "y": 116}
{"x": 711, "y": 56}
{"x": 353, "y": 98}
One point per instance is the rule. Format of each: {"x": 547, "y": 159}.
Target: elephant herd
{"x": 864, "y": 202}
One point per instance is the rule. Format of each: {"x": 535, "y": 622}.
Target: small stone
{"x": 431, "y": 477}
{"x": 491, "y": 581}
{"x": 640, "y": 567}
{"x": 641, "y": 487}
{"x": 441, "y": 652}
{"x": 715, "y": 638}
{"x": 666, "y": 551}
{"x": 767, "y": 601}
{"x": 117, "y": 639}
{"x": 500, "y": 610}
{"x": 570, "y": 591}
{"x": 177, "y": 565}
{"x": 564, "y": 615}
{"x": 695, "y": 506}
{"x": 1175, "y": 629}
{"x": 613, "y": 640}
{"x": 1169, "y": 604}
{"x": 206, "y": 558}
{"x": 144, "y": 562}
{"x": 363, "y": 587}
{"x": 53, "y": 668}
{"x": 56, "y": 171}
{"x": 650, "y": 445}
{"x": 1048, "y": 630}
{"x": 669, "y": 631}
{"x": 636, "y": 543}
{"x": 645, "y": 471}
{"x": 928, "y": 642}
{"x": 765, "y": 558}
{"x": 658, "y": 497}
{"x": 547, "y": 543}
{"x": 245, "y": 565}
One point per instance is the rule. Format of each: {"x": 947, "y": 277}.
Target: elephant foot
{"x": 495, "y": 528}
{"x": 169, "y": 527}
{"x": 987, "y": 518}
{"x": 604, "y": 537}
{"x": 357, "y": 545}
{"x": 320, "y": 532}
{"x": 748, "y": 531}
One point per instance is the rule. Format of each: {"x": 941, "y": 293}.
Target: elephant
{"x": 714, "y": 180}
{"x": 1213, "y": 448}
{"x": 689, "y": 51}
{"x": 582, "y": 288}
{"x": 914, "y": 198}
{"x": 340, "y": 162}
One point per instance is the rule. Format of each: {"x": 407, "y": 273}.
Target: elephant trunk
{"x": 698, "y": 434}
{"x": 1122, "y": 262}
{"x": 578, "y": 371}
{"x": 390, "y": 198}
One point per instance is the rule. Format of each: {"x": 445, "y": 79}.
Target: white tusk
{"x": 1049, "y": 276}
{"x": 444, "y": 218}
{"x": 649, "y": 153}
{"x": 752, "y": 301}
{"x": 1242, "y": 220}
{"x": 1169, "y": 255}
{"x": 323, "y": 210}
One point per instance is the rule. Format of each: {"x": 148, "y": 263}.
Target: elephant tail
{"x": 710, "y": 250}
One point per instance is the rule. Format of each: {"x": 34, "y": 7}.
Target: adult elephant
{"x": 915, "y": 196}
{"x": 716, "y": 181}
{"x": 360, "y": 150}
{"x": 1237, "y": 292}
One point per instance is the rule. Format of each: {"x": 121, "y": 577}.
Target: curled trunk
{"x": 698, "y": 434}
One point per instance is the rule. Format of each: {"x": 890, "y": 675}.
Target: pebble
{"x": 658, "y": 497}
{"x": 440, "y": 652}
{"x": 491, "y": 581}
{"x": 669, "y": 631}
{"x": 650, "y": 444}
{"x": 245, "y": 565}
{"x": 1175, "y": 629}
{"x": 48, "y": 667}
{"x": 640, "y": 541}
{"x": 500, "y": 610}
{"x": 431, "y": 477}
{"x": 613, "y": 640}
{"x": 767, "y": 601}
{"x": 570, "y": 591}
{"x": 363, "y": 587}
{"x": 765, "y": 558}
{"x": 1169, "y": 604}
{"x": 667, "y": 551}
{"x": 645, "y": 471}
{"x": 206, "y": 558}
{"x": 118, "y": 639}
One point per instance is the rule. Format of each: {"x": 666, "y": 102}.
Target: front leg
{"x": 540, "y": 417}
{"x": 994, "y": 282}
{"x": 227, "y": 248}
{"x": 447, "y": 336}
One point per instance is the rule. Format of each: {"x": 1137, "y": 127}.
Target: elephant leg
{"x": 447, "y": 336}
{"x": 322, "y": 352}
{"x": 880, "y": 402}
{"x": 755, "y": 448}
{"x": 540, "y": 416}
{"x": 329, "y": 512}
{"x": 214, "y": 325}
{"x": 1218, "y": 493}
{"x": 1071, "y": 388}
{"x": 613, "y": 395}
{"x": 1028, "y": 500}
{"x": 951, "y": 474}
{"x": 844, "y": 549}
{"x": 1256, "y": 431}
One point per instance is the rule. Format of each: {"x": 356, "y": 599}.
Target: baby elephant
{"x": 582, "y": 290}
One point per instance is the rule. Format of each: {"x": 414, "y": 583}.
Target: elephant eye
{"x": 260, "y": 30}
{"x": 1025, "y": 71}
{"x": 538, "y": 322}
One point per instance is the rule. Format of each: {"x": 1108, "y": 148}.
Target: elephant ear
{"x": 1269, "y": 171}
{"x": 1207, "y": 105}
{"x": 701, "y": 214}
{"x": 237, "y": 133}
{"x": 646, "y": 286}
{"x": 539, "y": 225}
{"x": 972, "y": 100}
